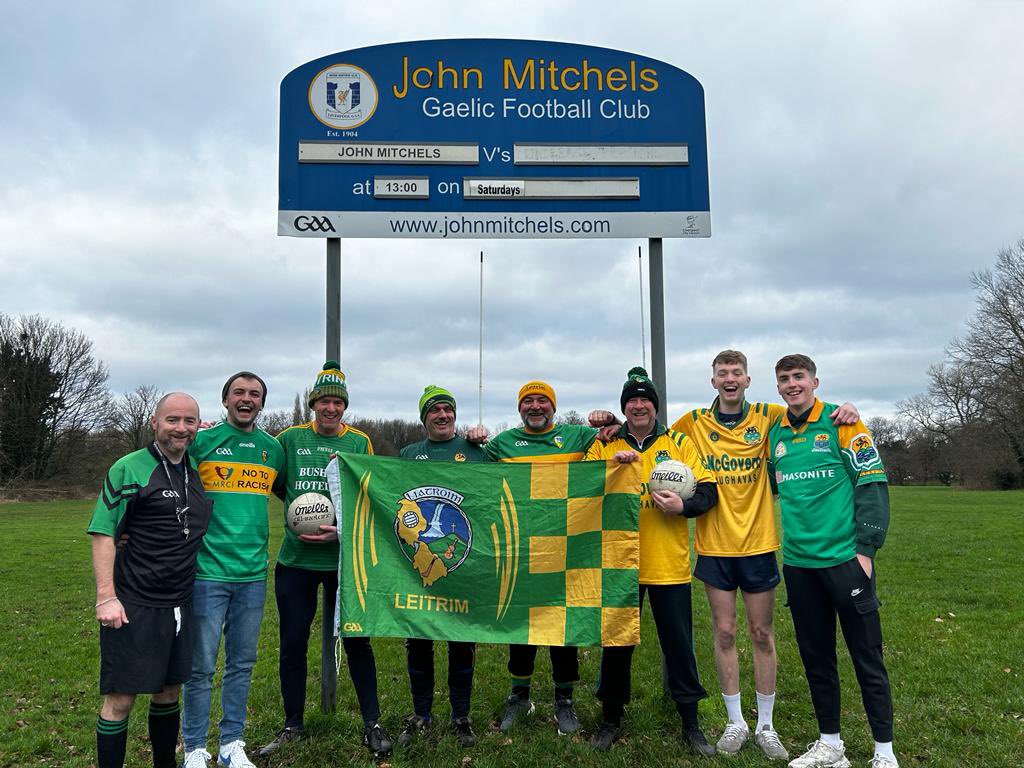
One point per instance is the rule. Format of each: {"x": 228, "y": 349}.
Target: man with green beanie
{"x": 437, "y": 412}
{"x": 307, "y": 561}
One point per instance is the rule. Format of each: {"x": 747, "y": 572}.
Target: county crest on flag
{"x": 545, "y": 554}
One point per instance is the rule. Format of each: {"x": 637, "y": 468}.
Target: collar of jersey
{"x": 341, "y": 430}
{"x": 541, "y": 432}
{"x": 814, "y": 415}
{"x": 743, "y": 412}
{"x": 659, "y": 430}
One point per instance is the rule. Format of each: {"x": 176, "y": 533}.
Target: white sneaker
{"x": 882, "y": 761}
{"x": 821, "y": 755}
{"x": 233, "y": 754}
{"x": 197, "y": 758}
{"x": 770, "y": 744}
{"x": 733, "y": 737}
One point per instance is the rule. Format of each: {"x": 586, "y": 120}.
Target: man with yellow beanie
{"x": 541, "y": 440}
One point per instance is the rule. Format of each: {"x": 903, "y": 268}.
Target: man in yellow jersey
{"x": 736, "y": 542}
{"x": 664, "y": 562}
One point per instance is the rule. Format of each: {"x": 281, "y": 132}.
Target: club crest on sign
{"x": 433, "y": 531}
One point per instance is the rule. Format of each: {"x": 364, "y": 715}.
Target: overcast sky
{"x": 864, "y": 159}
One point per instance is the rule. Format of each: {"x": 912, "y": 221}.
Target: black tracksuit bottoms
{"x": 461, "y": 659}
{"x": 296, "y": 592}
{"x": 816, "y": 596}
{"x": 671, "y": 606}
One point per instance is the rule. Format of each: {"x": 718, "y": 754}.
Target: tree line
{"x": 61, "y": 426}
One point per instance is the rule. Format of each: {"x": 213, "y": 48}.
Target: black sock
{"x": 164, "y": 722}
{"x": 612, "y": 712}
{"x": 111, "y": 742}
{"x": 563, "y": 691}
{"x": 689, "y": 714}
{"x": 521, "y": 691}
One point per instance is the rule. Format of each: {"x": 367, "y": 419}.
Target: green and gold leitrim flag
{"x": 546, "y": 554}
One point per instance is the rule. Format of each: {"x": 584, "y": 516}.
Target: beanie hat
{"x": 329, "y": 382}
{"x": 432, "y": 395}
{"x": 537, "y": 388}
{"x": 638, "y": 384}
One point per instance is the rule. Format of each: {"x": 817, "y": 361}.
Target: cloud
{"x": 863, "y": 162}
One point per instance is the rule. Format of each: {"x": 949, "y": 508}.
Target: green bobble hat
{"x": 432, "y": 395}
{"x": 638, "y": 384}
{"x": 329, "y": 382}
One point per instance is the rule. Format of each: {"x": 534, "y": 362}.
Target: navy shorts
{"x": 750, "y": 573}
{"x": 152, "y": 650}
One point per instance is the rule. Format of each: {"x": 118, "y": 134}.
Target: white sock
{"x": 765, "y": 709}
{"x": 733, "y": 708}
{"x": 884, "y": 748}
{"x": 832, "y": 739}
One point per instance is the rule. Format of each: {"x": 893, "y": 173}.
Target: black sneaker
{"x": 565, "y": 717}
{"x": 414, "y": 726}
{"x": 515, "y": 707}
{"x": 607, "y": 734}
{"x": 376, "y": 740}
{"x": 285, "y": 735}
{"x": 694, "y": 737}
{"x": 463, "y": 729}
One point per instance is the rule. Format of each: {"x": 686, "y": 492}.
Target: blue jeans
{"x": 234, "y": 609}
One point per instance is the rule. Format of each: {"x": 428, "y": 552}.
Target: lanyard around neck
{"x": 181, "y": 512}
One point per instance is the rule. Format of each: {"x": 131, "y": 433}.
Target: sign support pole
{"x": 657, "y": 284}
{"x": 328, "y": 662}
{"x": 656, "y": 270}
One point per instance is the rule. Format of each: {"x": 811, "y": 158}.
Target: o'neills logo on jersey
{"x": 343, "y": 96}
{"x": 434, "y": 532}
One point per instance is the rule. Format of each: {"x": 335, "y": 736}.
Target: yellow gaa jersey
{"x": 664, "y": 540}
{"x": 743, "y": 521}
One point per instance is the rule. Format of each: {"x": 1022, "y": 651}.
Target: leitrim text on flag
{"x": 546, "y": 554}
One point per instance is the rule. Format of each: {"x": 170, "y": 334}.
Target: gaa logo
{"x": 343, "y": 96}
{"x": 313, "y": 224}
{"x": 352, "y": 626}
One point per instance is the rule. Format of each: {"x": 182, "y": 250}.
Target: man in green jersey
{"x": 437, "y": 412}
{"x": 835, "y": 514}
{"x": 238, "y": 463}
{"x": 540, "y": 440}
{"x": 153, "y": 499}
{"x": 307, "y": 561}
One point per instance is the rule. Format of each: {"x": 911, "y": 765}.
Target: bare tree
{"x": 130, "y": 414}
{"x": 51, "y": 370}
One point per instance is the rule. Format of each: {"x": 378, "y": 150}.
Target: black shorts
{"x": 750, "y": 573}
{"x": 153, "y": 650}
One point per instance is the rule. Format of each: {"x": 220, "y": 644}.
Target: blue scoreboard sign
{"x": 492, "y": 139}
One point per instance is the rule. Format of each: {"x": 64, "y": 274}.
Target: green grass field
{"x": 949, "y": 577}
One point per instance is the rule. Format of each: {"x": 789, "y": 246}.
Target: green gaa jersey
{"x": 455, "y": 449}
{"x": 306, "y": 455}
{"x": 238, "y": 470}
{"x": 828, "y": 476}
{"x": 560, "y": 443}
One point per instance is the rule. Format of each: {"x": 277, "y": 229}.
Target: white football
{"x": 308, "y": 512}
{"x": 674, "y": 476}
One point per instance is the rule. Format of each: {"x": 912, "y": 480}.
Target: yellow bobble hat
{"x": 537, "y": 388}
{"x": 329, "y": 382}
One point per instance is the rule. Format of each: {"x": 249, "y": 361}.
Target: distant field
{"x": 950, "y": 579}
